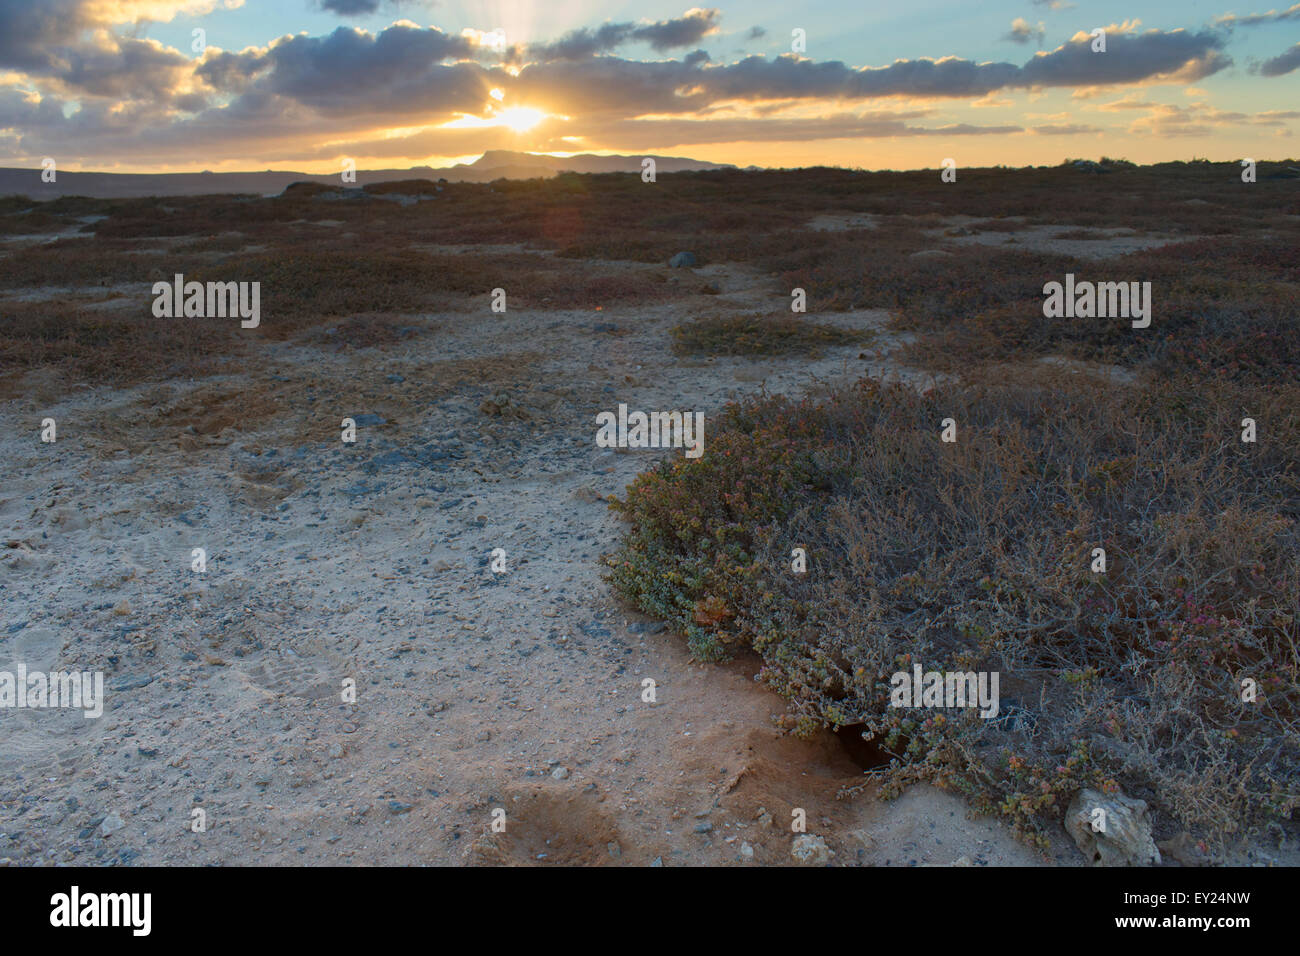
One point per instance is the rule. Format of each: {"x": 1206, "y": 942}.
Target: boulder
{"x": 1111, "y": 829}
{"x": 683, "y": 260}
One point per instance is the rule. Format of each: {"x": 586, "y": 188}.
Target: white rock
{"x": 810, "y": 850}
{"x": 1111, "y": 830}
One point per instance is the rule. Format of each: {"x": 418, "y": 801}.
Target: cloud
{"x": 397, "y": 70}
{"x": 1022, "y": 32}
{"x": 686, "y": 30}
{"x": 350, "y": 8}
{"x": 637, "y": 134}
{"x": 1281, "y": 64}
{"x": 1255, "y": 19}
{"x": 110, "y": 98}
{"x": 755, "y": 33}
{"x": 1201, "y": 119}
{"x": 69, "y": 44}
{"x": 582, "y": 43}
{"x": 1069, "y": 129}
{"x": 1054, "y": 4}
{"x": 1130, "y": 57}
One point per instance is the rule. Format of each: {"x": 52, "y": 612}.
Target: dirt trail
{"x": 326, "y": 561}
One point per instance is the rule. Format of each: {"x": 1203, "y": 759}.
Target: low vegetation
{"x": 759, "y": 335}
{"x": 977, "y": 555}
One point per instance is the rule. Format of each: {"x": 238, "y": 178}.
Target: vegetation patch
{"x": 759, "y": 335}
{"x": 977, "y": 556}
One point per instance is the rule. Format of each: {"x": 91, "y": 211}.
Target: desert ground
{"x": 477, "y": 689}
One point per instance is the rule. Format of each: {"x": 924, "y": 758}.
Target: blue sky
{"x": 304, "y": 84}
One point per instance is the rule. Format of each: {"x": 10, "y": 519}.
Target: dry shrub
{"x": 759, "y": 335}
{"x": 97, "y": 346}
{"x": 975, "y": 556}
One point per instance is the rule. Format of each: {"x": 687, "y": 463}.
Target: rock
{"x": 368, "y": 419}
{"x": 746, "y": 851}
{"x": 1118, "y": 836}
{"x": 112, "y": 823}
{"x": 704, "y": 827}
{"x": 658, "y": 861}
{"x": 931, "y": 254}
{"x": 560, "y": 773}
{"x": 810, "y": 850}
{"x": 683, "y": 260}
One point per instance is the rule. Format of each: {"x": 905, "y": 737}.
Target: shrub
{"x": 976, "y": 556}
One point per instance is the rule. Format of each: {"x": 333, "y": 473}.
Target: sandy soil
{"x": 475, "y": 690}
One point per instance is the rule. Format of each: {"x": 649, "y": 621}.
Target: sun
{"x": 520, "y": 118}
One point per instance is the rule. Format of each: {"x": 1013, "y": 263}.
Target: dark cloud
{"x": 350, "y": 8}
{"x": 789, "y": 76}
{"x": 684, "y": 31}
{"x": 580, "y": 44}
{"x": 50, "y": 40}
{"x": 1281, "y": 64}
{"x": 29, "y": 31}
{"x": 1129, "y": 58}
{"x": 755, "y": 33}
{"x": 401, "y": 69}
{"x": 130, "y": 69}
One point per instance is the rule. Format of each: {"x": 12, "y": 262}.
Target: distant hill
{"x": 494, "y": 164}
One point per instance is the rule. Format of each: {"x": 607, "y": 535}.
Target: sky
{"x": 307, "y": 85}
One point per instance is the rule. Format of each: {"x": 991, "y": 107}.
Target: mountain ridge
{"x": 493, "y": 164}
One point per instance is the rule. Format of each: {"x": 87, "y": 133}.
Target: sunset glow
{"x": 173, "y": 86}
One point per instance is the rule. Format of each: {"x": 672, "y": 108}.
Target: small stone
{"x": 810, "y": 850}
{"x": 682, "y": 260}
{"x": 560, "y": 773}
{"x": 112, "y": 823}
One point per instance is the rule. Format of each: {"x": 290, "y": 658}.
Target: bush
{"x": 976, "y": 556}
